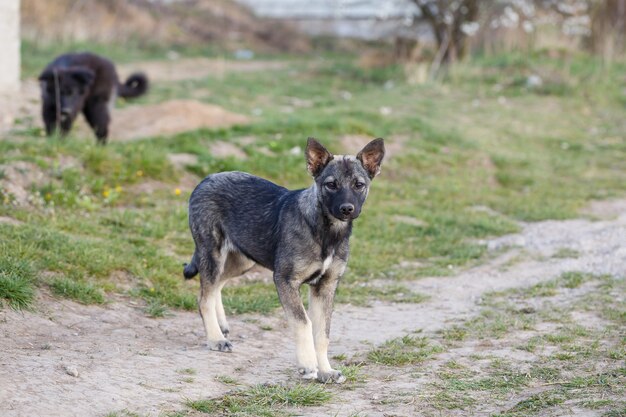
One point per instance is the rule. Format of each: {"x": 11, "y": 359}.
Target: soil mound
{"x": 168, "y": 118}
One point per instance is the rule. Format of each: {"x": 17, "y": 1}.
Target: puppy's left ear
{"x": 85, "y": 76}
{"x": 317, "y": 157}
{"x": 371, "y": 156}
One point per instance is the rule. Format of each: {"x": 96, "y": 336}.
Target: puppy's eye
{"x": 359, "y": 185}
{"x": 331, "y": 185}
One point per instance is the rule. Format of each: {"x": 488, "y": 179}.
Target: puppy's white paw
{"x": 221, "y": 346}
{"x": 330, "y": 377}
{"x": 307, "y": 373}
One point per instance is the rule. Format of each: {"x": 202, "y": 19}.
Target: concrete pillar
{"x": 9, "y": 45}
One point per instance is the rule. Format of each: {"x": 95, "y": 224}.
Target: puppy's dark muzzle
{"x": 347, "y": 212}
{"x": 346, "y": 209}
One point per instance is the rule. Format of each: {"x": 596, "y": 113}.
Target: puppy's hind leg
{"x": 219, "y": 310}
{"x": 236, "y": 264}
{"x": 211, "y": 265}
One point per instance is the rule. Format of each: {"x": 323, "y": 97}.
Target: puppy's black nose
{"x": 346, "y": 209}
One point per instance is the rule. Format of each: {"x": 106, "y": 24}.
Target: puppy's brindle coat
{"x": 237, "y": 220}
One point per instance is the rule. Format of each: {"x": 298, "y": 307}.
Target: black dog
{"x": 88, "y": 83}
{"x": 237, "y": 220}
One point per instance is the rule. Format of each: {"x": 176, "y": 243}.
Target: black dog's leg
{"x": 96, "y": 112}
{"x": 321, "y": 298}
{"x": 66, "y": 125}
{"x": 211, "y": 266}
{"x": 49, "y": 116}
{"x": 289, "y": 295}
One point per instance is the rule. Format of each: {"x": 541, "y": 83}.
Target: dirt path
{"x": 123, "y": 360}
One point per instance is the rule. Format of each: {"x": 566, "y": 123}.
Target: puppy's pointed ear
{"x": 371, "y": 156}
{"x": 317, "y": 157}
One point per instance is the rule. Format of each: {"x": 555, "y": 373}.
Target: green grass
{"x": 536, "y": 403}
{"x": 407, "y": 350}
{"x": 464, "y": 171}
{"x": 187, "y": 371}
{"x": 225, "y": 379}
{"x": 574, "y": 363}
{"x": 263, "y": 400}
{"x": 155, "y": 309}
{"x": 255, "y": 297}
{"x": 76, "y": 290}
{"x": 16, "y": 282}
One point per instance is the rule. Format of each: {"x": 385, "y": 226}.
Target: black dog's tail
{"x": 191, "y": 269}
{"x": 135, "y": 85}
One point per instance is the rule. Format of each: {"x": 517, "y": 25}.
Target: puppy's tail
{"x": 135, "y": 85}
{"x": 191, "y": 269}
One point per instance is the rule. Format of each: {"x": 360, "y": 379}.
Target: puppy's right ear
{"x": 46, "y": 76}
{"x": 317, "y": 157}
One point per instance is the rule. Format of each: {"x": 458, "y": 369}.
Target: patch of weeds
{"x": 564, "y": 356}
{"x": 443, "y": 400}
{"x": 531, "y": 344}
{"x": 614, "y": 378}
{"x": 225, "y": 379}
{"x": 545, "y": 373}
{"x": 353, "y": 373}
{"x": 361, "y": 295}
{"x": 174, "y": 414}
{"x": 455, "y": 333}
{"x": 123, "y": 413}
{"x": 187, "y": 371}
{"x": 76, "y": 290}
{"x": 254, "y": 297}
{"x": 495, "y": 323}
{"x": 537, "y": 402}
{"x": 499, "y": 379}
{"x": 595, "y": 404}
{"x": 574, "y": 279}
{"x": 566, "y": 253}
{"x": 543, "y": 289}
{"x": 263, "y": 400}
{"x": 17, "y": 278}
{"x": 155, "y": 309}
{"x": 266, "y": 327}
{"x": 617, "y": 354}
{"x": 617, "y": 412}
{"x": 407, "y": 350}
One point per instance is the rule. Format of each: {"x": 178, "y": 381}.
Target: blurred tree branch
{"x": 450, "y": 21}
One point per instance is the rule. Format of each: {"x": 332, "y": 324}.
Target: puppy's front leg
{"x": 321, "y": 309}
{"x": 289, "y": 295}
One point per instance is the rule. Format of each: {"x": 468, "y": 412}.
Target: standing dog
{"x": 237, "y": 220}
{"x": 84, "y": 82}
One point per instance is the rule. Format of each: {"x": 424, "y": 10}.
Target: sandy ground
{"x": 66, "y": 359}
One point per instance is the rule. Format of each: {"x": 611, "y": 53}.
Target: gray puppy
{"x": 237, "y": 220}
